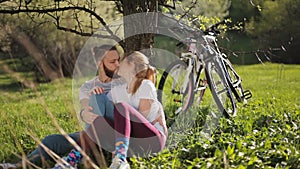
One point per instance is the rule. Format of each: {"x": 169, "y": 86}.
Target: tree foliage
{"x": 200, "y": 13}
{"x": 38, "y": 21}
{"x": 274, "y": 25}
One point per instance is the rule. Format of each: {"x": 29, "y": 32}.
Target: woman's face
{"x": 126, "y": 69}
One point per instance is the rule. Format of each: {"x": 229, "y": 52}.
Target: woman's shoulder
{"x": 148, "y": 83}
{"x": 147, "y": 88}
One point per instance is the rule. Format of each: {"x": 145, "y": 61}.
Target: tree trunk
{"x": 33, "y": 51}
{"x": 131, "y": 24}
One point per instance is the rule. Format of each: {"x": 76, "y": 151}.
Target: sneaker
{"x": 117, "y": 163}
{"x": 7, "y": 166}
{"x": 63, "y": 165}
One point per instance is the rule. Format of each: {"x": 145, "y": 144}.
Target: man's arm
{"x": 86, "y": 90}
{"x": 84, "y": 103}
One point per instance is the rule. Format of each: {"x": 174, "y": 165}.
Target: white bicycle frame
{"x": 190, "y": 57}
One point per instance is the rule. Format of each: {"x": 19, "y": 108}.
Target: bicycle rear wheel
{"x": 220, "y": 90}
{"x": 176, "y": 90}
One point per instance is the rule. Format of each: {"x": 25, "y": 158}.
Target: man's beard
{"x": 108, "y": 72}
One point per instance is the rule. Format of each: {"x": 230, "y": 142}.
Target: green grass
{"x": 265, "y": 134}
{"x": 24, "y": 114}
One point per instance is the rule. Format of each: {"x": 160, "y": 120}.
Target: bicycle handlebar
{"x": 213, "y": 29}
{"x": 180, "y": 27}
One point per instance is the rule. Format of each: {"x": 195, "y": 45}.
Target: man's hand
{"x": 96, "y": 90}
{"x": 87, "y": 115}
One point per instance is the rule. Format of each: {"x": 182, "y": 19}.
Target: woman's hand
{"x": 160, "y": 120}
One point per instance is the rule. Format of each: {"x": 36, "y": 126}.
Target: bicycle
{"x": 202, "y": 65}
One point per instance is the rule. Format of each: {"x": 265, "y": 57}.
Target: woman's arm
{"x": 145, "y": 106}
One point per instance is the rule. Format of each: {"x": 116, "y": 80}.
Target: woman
{"x": 138, "y": 116}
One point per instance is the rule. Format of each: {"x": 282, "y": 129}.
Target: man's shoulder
{"x": 92, "y": 82}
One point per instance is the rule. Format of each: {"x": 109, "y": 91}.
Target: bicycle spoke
{"x": 220, "y": 90}
{"x": 176, "y": 89}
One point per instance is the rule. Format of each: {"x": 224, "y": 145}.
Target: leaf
{"x": 230, "y": 150}
{"x": 253, "y": 159}
{"x": 241, "y": 167}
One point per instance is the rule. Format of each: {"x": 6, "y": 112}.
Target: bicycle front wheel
{"x": 220, "y": 89}
{"x": 235, "y": 82}
{"x": 175, "y": 90}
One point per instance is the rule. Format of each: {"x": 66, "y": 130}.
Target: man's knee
{"x": 52, "y": 139}
{"x": 102, "y": 105}
{"x": 97, "y": 101}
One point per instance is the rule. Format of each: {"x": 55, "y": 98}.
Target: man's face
{"x": 111, "y": 62}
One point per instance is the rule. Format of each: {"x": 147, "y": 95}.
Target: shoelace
{"x": 116, "y": 163}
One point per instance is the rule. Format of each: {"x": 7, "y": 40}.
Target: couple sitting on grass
{"x": 122, "y": 114}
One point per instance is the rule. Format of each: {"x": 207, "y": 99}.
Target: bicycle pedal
{"x": 175, "y": 92}
{"x": 247, "y": 94}
{"x": 236, "y": 83}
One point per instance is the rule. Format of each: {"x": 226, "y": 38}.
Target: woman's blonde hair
{"x": 142, "y": 68}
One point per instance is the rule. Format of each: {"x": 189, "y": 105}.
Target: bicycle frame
{"x": 212, "y": 47}
{"x": 194, "y": 63}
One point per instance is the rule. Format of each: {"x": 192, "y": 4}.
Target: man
{"x": 108, "y": 62}
{"x": 100, "y": 84}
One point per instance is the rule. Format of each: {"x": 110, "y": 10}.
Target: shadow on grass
{"x": 11, "y": 158}
{"x": 13, "y": 72}
{"x": 12, "y": 87}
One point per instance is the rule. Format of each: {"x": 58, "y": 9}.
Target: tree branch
{"x": 3, "y": 1}
{"x": 189, "y": 9}
{"x": 61, "y": 9}
{"x": 166, "y": 5}
{"x": 82, "y": 33}
{"x": 119, "y": 6}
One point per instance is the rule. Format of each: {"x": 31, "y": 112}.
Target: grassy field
{"x": 265, "y": 134}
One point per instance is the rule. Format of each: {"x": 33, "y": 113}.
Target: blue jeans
{"x": 102, "y": 106}
{"x": 59, "y": 144}
{"x": 55, "y": 142}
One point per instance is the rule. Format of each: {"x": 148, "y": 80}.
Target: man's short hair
{"x": 99, "y": 51}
